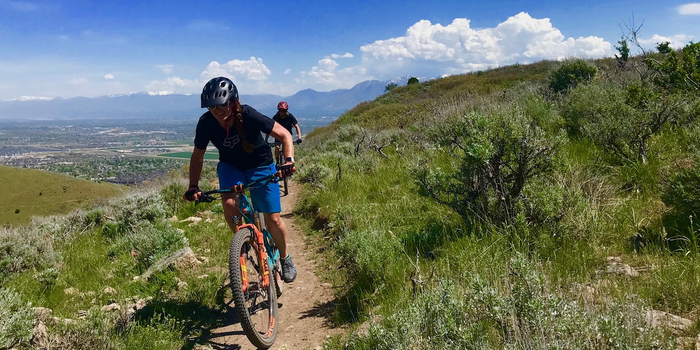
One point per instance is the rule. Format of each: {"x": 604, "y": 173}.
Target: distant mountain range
{"x": 307, "y": 104}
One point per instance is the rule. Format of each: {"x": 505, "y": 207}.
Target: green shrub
{"x": 150, "y": 242}
{"x": 682, "y": 192}
{"x": 499, "y": 152}
{"x": 16, "y": 319}
{"x": 571, "y": 74}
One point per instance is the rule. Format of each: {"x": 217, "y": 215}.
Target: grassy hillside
{"x": 531, "y": 206}
{"x": 29, "y": 192}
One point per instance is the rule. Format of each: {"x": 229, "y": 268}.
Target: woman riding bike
{"x": 288, "y": 121}
{"x": 235, "y": 130}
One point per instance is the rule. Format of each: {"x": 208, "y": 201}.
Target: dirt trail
{"x": 305, "y": 307}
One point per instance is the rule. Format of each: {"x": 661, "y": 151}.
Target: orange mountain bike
{"x": 255, "y": 272}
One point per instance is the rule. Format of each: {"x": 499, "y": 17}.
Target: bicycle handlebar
{"x": 207, "y": 197}
{"x": 272, "y": 144}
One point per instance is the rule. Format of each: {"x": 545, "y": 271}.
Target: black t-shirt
{"x": 245, "y": 149}
{"x": 287, "y": 122}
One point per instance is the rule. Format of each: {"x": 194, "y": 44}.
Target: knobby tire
{"x": 257, "y": 306}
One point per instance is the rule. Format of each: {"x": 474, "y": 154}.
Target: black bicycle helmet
{"x": 218, "y": 91}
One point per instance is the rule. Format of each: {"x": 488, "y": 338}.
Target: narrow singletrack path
{"x": 305, "y": 307}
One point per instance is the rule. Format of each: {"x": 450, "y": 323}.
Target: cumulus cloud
{"x": 109, "y": 77}
{"x": 166, "y": 68}
{"x": 326, "y": 75}
{"x": 691, "y": 9}
{"x": 434, "y": 49}
{"x": 287, "y": 71}
{"x": 677, "y": 41}
{"x": 346, "y": 55}
{"x": 251, "y": 70}
{"x": 176, "y": 84}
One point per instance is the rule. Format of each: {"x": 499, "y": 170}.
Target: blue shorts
{"x": 266, "y": 199}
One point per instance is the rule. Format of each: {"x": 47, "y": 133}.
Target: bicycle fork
{"x": 263, "y": 260}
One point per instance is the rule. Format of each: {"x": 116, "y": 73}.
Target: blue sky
{"x": 65, "y": 48}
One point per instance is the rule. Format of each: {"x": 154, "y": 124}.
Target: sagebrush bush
{"x": 497, "y": 154}
{"x": 16, "y": 319}
{"x": 148, "y": 242}
{"x": 516, "y": 311}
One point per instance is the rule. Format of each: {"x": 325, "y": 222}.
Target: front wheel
{"x": 256, "y": 305}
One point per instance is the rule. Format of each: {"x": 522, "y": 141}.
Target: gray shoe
{"x": 289, "y": 272}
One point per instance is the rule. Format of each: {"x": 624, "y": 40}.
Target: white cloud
{"x": 677, "y": 41}
{"x": 175, "y": 84}
{"x": 692, "y": 9}
{"x": 109, "y": 77}
{"x": 251, "y": 70}
{"x": 287, "y": 71}
{"x": 166, "y": 68}
{"x": 326, "y": 75}
{"x": 346, "y": 55}
{"x": 433, "y": 49}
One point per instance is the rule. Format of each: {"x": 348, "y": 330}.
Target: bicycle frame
{"x": 251, "y": 218}
{"x": 263, "y": 239}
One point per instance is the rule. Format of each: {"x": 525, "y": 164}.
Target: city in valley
{"x": 102, "y": 150}
{"x": 120, "y": 151}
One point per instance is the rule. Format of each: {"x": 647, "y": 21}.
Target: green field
{"x": 186, "y": 155}
{"x": 29, "y": 192}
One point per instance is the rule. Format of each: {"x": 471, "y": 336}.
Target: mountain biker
{"x": 287, "y": 120}
{"x": 235, "y": 130}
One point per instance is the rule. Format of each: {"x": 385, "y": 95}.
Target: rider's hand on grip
{"x": 192, "y": 194}
{"x": 238, "y": 188}
{"x": 286, "y": 170}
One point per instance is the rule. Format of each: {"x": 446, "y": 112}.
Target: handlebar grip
{"x": 204, "y": 198}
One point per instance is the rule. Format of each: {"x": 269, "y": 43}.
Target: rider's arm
{"x": 298, "y": 131}
{"x": 281, "y": 134}
{"x": 196, "y": 163}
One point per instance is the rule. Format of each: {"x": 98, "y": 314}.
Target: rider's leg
{"x": 278, "y": 230}
{"x": 230, "y": 176}
{"x": 230, "y": 204}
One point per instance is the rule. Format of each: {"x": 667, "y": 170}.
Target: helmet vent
{"x": 222, "y": 84}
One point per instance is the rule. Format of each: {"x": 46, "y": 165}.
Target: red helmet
{"x": 283, "y": 105}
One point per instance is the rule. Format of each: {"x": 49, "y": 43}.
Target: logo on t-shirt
{"x": 232, "y": 141}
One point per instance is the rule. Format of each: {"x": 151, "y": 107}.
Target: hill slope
{"x": 28, "y": 192}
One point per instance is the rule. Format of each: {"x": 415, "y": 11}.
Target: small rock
{"x": 109, "y": 290}
{"x": 71, "y": 291}
{"x": 42, "y": 313}
{"x": 140, "y": 304}
{"x": 192, "y": 219}
{"x": 676, "y": 324}
{"x": 181, "y": 285}
{"x": 111, "y": 307}
{"x": 174, "y": 218}
{"x": 201, "y": 277}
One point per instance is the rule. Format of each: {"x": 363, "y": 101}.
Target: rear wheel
{"x": 256, "y": 305}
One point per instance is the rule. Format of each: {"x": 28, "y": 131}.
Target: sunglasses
{"x": 222, "y": 106}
